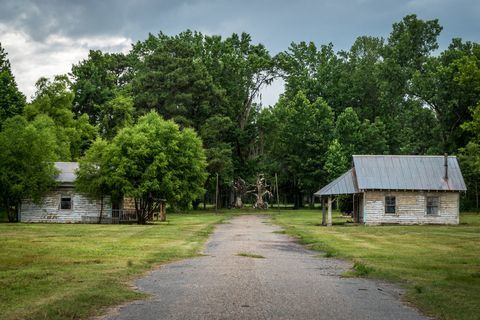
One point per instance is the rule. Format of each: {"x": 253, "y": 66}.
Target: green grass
{"x": 439, "y": 266}
{"x": 250, "y": 255}
{"x": 55, "y": 271}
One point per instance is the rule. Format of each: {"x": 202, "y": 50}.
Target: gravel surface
{"x": 290, "y": 282}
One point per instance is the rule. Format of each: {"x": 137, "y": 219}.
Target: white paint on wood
{"x": 411, "y": 208}
{"x": 84, "y": 209}
{"x": 324, "y": 213}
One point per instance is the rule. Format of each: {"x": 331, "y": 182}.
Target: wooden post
{"x": 163, "y": 211}
{"x": 216, "y": 195}
{"x": 329, "y": 216}
{"x": 324, "y": 212}
{"x": 276, "y": 189}
{"x": 354, "y": 209}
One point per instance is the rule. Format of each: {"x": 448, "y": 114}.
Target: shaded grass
{"x": 438, "y": 265}
{"x": 55, "y": 271}
{"x": 250, "y": 255}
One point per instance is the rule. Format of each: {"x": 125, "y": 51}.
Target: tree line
{"x": 398, "y": 95}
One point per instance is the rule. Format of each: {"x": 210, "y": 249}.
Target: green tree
{"x": 449, "y": 86}
{"x": 336, "y": 163}
{"x": 374, "y": 137}
{"x": 54, "y": 99}
{"x": 348, "y": 131}
{"x": 93, "y": 174}
{"x": 360, "y": 78}
{"x": 96, "y": 80}
{"x": 304, "y": 133}
{"x": 214, "y": 133}
{"x": 26, "y": 162}
{"x": 174, "y": 81}
{"x": 196, "y": 80}
{"x": 150, "y": 161}
{"x": 317, "y": 72}
{"x": 470, "y": 155}
{"x": 115, "y": 114}
{"x": 12, "y": 101}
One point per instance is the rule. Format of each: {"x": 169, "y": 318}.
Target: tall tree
{"x": 406, "y": 53}
{"x": 449, "y": 87}
{"x": 12, "y": 101}
{"x": 95, "y": 81}
{"x": 26, "y": 161}
{"x": 93, "y": 174}
{"x": 335, "y": 160}
{"x": 149, "y": 161}
{"x": 470, "y": 156}
{"x": 304, "y": 132}
{"x": 317, "y": 72}
{"x": 116, "y": 114}
{"x": 54, "y": 99}
{"x": 360, "y": 83}
{"x": 174, "y": 81}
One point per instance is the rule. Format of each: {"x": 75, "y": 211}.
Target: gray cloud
{"x": 274, "y": 23}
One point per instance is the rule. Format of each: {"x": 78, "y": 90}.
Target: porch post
{"x": 329, "y": 217}
{"x": 324, "y": 212}
{"x": 354, "y": 209}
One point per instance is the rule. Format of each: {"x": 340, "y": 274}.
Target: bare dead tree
{"x": 241, "y": 188}
{"x": 261, "y": 190}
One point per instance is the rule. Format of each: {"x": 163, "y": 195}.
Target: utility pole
{"x": 216, "y": 195}
{"x": 276, "y": 189}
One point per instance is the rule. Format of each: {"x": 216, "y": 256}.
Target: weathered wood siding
{"x": 84, "y": 209}
{"x": 411, "y": 208}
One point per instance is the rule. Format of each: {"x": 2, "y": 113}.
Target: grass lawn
{"x": 55, "y": 271}
{"x": 438, "y": 265}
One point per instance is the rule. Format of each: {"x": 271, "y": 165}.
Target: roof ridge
{"x": 401, "y": 155}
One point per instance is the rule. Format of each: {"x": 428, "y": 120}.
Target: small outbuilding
{"x": 391, "y": 189}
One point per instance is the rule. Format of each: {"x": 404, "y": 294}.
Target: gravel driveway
{"x": 289, "y": 283}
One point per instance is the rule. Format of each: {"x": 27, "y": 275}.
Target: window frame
{"x": 388, "y": 204}
{"x": 427, "y": 206}
{"x": 62, "y": 197}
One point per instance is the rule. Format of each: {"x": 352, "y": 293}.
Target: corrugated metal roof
{"x": 373, "y": 172}
{"x": 345, "y": 184}
{"x": 67, "y": 171}
{"x": 407, "y": 173}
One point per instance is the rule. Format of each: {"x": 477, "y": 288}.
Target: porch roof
{"x": 345, "y": 184}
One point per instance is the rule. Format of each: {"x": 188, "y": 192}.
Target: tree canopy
{"x": 149, "y": 161}
{"x": 26, "y": 161}
{"x": 12, "y": 101}
{"x": 398, "y": 95}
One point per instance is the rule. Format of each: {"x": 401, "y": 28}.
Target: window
{"x": 66, "y": 203}
{"x": 389, "y": 204}
{"x": 432, "y": 205}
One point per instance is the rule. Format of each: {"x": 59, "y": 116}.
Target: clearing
{"x": 438, "y": 265}
{"x": 71, "y": 271}
{"x": 289, "y": 282}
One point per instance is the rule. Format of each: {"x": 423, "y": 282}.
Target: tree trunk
{"x": 101, "y": 210}
{"x": 163, "y": 212}
{"x": 238, "y": 202}
{"x": 12, "y": 213}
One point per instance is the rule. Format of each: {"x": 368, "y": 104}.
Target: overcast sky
{"x": 44, "y": 38}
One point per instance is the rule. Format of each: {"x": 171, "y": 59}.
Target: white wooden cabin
{"x": 63, "y": 204}
{"x": 399, "y": 190}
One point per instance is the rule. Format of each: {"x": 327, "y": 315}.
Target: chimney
{"x": 446, "y": 166}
